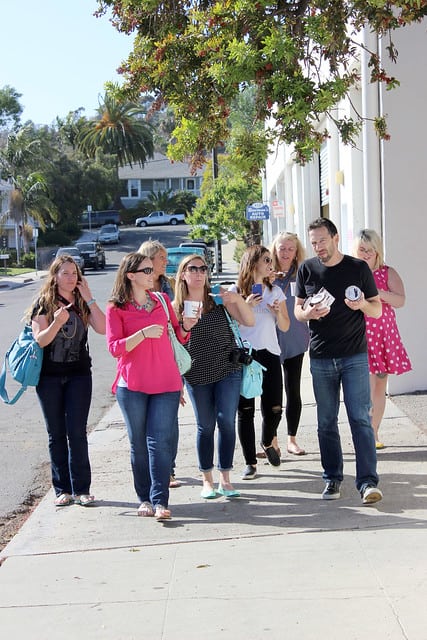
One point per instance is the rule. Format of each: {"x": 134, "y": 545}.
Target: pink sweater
{"x": 150, "y": 367}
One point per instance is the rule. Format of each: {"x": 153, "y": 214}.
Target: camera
{"x": 240, "y": 356}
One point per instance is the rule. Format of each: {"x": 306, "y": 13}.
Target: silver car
{"x": 75, "y": 254}
{"x": 109, "y": 234}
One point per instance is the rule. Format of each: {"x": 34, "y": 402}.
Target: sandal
{"x": 84, "y": 500}
{"x": 174, "y": 483}
{"x": 64, "y": 500}
{"x": 145, "y": 510}
{"x": 162, "y": 513}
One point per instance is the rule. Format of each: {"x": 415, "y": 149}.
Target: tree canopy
{"x": 196, "y": 55}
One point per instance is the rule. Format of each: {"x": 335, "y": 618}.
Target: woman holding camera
{"x": 213, "y": 381}
{"x": 269, "y": 304}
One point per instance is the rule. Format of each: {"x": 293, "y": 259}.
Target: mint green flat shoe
{"x": 208, "y": 494}
{"x": 228, "y": 493}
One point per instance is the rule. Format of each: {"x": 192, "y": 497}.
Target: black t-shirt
{"x": 68, "y": 353}
{"x": 342, "y": 332}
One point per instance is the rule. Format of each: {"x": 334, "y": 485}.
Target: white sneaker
{"x": 371, "y": 494}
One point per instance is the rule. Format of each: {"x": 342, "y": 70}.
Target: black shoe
{"x": 272, "y": 455}
{"x": 331, "y": 491}
{"x": 370, "y": 494}
{"x": 249, "y": 473}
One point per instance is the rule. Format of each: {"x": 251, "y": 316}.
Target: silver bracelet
{"x": 91, "y": 301}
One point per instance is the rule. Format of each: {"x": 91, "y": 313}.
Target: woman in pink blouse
{"x": 148, "y": 384}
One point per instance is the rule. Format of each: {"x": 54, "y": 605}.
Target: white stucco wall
{"x": 405, "y": 197}
{"x": 384, "y": 187}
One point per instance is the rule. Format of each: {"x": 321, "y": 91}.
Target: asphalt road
{"x": 24, "y": 460}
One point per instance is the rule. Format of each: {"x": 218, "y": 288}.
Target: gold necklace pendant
{"x": 74, "y": 330}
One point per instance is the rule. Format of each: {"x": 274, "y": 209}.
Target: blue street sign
{"x": 257, "y": 211}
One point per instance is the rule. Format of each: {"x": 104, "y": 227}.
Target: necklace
{"x": 74, "y": 329}
{"x": 147, "y": 305}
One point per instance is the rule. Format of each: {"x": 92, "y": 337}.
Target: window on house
{"x": 159, "y": 185}
{"x": 190, "y": 184}
{"x": 133, "y": 188}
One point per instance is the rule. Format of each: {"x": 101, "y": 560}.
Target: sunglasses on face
{"x": 193, "y": 269}
{"x": 146, "y": 270}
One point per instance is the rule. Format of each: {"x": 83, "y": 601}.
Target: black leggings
{"x": 271, "y": 407}
{"x": 292, "y": 368}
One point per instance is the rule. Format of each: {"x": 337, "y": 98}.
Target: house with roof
{"x": 376, "y": 184}
{"x": 158, "y": 174}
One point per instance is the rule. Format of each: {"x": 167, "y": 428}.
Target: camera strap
{"x": 235, "y": 329}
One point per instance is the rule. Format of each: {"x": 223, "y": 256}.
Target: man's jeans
{"x": 352, "y": 373}
{"x": 213, "y": 404}
{"x": 151, "y": 424}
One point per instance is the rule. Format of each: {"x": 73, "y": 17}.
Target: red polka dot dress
{"x": 386, "y": 352}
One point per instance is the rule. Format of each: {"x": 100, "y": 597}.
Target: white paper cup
{"x": 191, "y": 308}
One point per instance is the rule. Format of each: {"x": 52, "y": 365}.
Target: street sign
{"x": 278, "y": 208}
{"x": 257, "y": 211}
{"x": 4, "y": 256}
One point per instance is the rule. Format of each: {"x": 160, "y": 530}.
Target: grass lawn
{"x": 15, "y": 271}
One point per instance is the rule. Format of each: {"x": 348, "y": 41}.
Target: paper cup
{"x": 191, "y": 308}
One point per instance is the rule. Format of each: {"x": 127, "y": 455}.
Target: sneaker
{"x": 370, "y": 494}
{"x": 331, "y": 491}
{"x": 249, "y": 473}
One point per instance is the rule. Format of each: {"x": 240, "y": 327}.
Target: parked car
{"x": 109, "y": 234}
{"x": 93, "y": 254}
{"x": 76, "y": 255}
{"x": 209, "y": 253}
{"x": 98, "y": 218}
{"x": 176, "y": 254}
{"x": 160, "y": 217}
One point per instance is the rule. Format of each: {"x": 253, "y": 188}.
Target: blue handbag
{"x": 24, "y": 360}
{"x": 253, "y": 373}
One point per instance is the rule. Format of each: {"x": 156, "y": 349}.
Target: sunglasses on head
{"x": 193, "y": 269}
{"x": 146, "y": 270}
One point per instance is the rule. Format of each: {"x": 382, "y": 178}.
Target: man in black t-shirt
{"x": 338, "y": 354}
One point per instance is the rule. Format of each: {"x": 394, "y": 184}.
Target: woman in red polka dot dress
{"x": 386, "y": 352}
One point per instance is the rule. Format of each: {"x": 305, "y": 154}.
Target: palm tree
{"x": 29, "y": 196}
{"x": 119, "y": 130}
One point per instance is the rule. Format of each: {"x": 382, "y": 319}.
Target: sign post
{"x": 35, "y": 236}
{"x": 257, "y": 211}
{"x": 89, "y": 216}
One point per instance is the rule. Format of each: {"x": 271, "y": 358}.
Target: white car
{"x": 109, "y": 234}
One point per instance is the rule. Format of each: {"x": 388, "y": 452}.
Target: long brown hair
{"x": 47, "y": 299}
{"x": 181, "y": 289}
{"x": 122, "y": 292}
{"x": 248, "y": 263}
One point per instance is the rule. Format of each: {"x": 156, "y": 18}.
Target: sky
{"x": 58, "y": 55}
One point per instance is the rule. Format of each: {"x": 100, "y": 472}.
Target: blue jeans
{"x": 65, "y": 402}
{"x": 216, "y": 403}
{"x": 150, "y": 422}
{"x": 352, "y": 373}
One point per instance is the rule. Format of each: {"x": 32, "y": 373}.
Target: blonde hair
{"x": 150, "y": 247}
{"x": 299, "y": 256}
{"x": 47, "y": 298}
{"x": 371, "y": 238}
{"x": 181, "y": 288}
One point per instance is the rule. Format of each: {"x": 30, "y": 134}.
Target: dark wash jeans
{"x": 352, "y": 374}
{"x": 65, "y": 402}
{"x": 271, "y": 407}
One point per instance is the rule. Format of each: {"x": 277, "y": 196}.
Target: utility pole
{"x": 218, "y": 246}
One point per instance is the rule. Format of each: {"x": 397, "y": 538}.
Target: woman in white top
{"x": 269, "y": 305}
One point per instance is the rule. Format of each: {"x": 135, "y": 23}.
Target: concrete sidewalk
{"x": 278, "y": 562}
